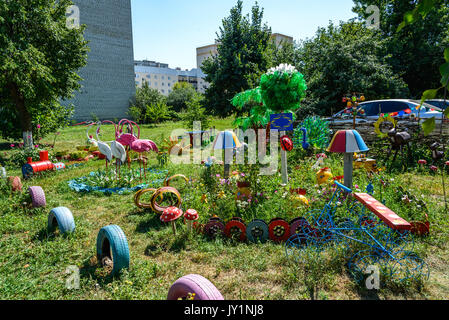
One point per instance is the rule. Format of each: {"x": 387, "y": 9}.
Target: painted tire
{"x": 139, "y": 194}
{"x": 193, "y": 283}
{"x": 112, "y": 238}
{"x": 297, "y": 224}
{"x": 214, "y": 228}
{"x": 160, "y": 192}
{"x": 61, "y": 217}
{"x": 236, "y": 228}
{"x": 257, "y": 230}
{"x": 37, "y": 197}
{"x": 279, "y": 230}
{"x": 167, "y": 182}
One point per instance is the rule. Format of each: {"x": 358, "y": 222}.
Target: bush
{"x": 195, "y": 112}
{"x": 157, "y": 112}
{"x": 143, "y": 108}
{"x": 182, "y": 93}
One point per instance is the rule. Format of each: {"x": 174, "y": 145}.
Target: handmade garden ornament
{"x": 278, "y": 230}
{"x": 320, "y": 161}
{"x": 214, "y": 227}
{"x": 257, "y": 230}
{"x": 323, "y": 176}
{"x": 347, "y": 142}
{"x": 2, "y": 172}
{"x": 236, "y": 229}
{"x": 190, "y": 216}
{"x": 286, "y": 143}
{"x": 228, "y": 141}
{"x": 62, "y": 218}
{"x": 15, "y": 183}
{"x": 171, "y": 214}
{"x": 157, "y": 208}
{"x": 193, "y": 286}
{"x": 112, "y": 248}
{"x": 37, "y": 195}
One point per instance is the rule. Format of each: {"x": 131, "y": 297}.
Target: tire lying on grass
{"x": 37, "y": 197}
{"x": 113, "y": 246}
{"x": 194, "y": 284}
{"x": 62, "y": 218}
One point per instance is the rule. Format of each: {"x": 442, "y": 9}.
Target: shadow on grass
{"x": 152, "y": 224}
{"x": 45, "y": 235}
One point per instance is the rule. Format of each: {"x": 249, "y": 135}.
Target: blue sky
{"x": 169, "y": 31}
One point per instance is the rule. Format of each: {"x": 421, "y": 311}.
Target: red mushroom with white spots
{"x": 191, "y": 215}
{"x": 171, "y": 214}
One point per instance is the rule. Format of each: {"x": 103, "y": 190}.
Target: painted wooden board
{"x": 394, "y": 221}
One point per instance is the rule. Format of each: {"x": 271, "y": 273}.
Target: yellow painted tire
{"x": 139, "y": 194}
{"x": 378, "y": 123}
{"x": 159, "y": 193}
{"x": 167, "y": 181}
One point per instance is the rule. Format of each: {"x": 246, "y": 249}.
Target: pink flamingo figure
{"x": 136, "y": 144}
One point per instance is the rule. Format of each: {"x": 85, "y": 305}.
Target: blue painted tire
{"x": 257, "y": 230}
{"x": 111, "y": 239}
{"x": 62, "y": 218}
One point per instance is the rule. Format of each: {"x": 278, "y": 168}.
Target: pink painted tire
{"x": 194, "y": 283}
{"x": 37, "y": 197}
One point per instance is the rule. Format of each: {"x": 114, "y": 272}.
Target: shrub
{"x": 195, "y": 112}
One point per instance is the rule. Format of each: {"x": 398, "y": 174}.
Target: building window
{"x": 155, "y": 84}
{"x": 163, "y": 84}
{"x": 163, "y": 77}
{"x": 148, "y": 76}
{"x": 155, "y": 76}
{"x": 163, "y": 91}
{"x": 169, "y": 78}
{"x": 137, "y": 75}
{"x": 168, "y": 84}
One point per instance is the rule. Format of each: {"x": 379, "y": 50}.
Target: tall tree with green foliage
{"x": 182, "y": 93}
{"x": 345, "y": 58}
{"x": 243, "y": 56}
{"x": 40, "y": 56}
{"x": 415, "y": 50}
{"x": 149, "y": 105}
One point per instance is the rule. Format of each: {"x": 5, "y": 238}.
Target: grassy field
{"x": 33, "y": 262}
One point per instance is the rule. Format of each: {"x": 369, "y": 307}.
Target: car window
{"x": 371, "y": 108}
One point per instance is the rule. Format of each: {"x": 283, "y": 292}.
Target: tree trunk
{"x": 24, "y": 115}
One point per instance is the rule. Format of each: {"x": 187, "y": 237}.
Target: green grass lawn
{"x": 33, "y": 262}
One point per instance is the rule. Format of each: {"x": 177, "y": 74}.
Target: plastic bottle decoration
{"x": 348, "y": 142}
{"x": 286, "y": 143}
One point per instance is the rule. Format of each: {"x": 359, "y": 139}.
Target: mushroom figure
{"x": 191, "y": 215}
{"x": 226, "y": 140}
{"x": 171, "y": 214}
{"x": 347, "y": 142}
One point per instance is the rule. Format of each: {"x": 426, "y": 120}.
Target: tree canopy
{"x": 39, "y": 59}
{"x": 346, "y": 58}
{"x": 415, "y": 51}
{"x": 243, "y": 56}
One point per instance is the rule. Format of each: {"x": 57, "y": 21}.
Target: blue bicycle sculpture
{"x": 380, "y": 237}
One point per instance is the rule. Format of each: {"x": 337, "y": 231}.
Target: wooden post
{"x": 348, "y": 159}
{"x": 284, "y": 163}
